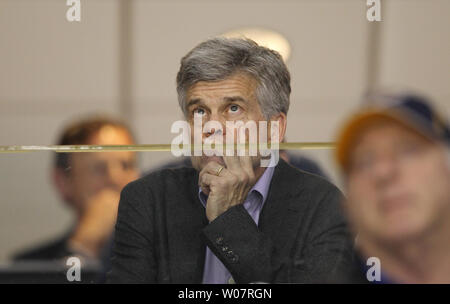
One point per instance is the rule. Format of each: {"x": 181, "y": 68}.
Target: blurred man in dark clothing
{"x": 90, "y": 184}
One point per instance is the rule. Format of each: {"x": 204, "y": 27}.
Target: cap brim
{"x": 357, "y": 124}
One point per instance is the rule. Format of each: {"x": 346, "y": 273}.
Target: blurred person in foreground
{"x": 395, "y": 157}
{"x": 90, "y": 184}
{"x": 229, "y": 219}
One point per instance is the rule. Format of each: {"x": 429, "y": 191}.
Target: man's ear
{"x": 62, "y": 183}
{"x": 282, "y": 124}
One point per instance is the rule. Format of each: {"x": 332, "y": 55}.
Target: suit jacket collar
{"x": 281, "y": 215}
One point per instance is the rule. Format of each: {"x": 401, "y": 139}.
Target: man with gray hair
{"x": 229, "y": 219}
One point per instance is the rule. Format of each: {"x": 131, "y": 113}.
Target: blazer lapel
{"x": 187, "y": 250}
{"x": 281, "y": 215}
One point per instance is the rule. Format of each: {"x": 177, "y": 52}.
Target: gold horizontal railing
{"x": 151, "y": 147}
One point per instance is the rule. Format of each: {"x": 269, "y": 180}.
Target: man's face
{"x": 90, "y": 173}
{"x": 231, "y": 99}
{"x": 398, "y": 183}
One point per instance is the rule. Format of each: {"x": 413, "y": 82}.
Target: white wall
{"x": 52, "y": 71}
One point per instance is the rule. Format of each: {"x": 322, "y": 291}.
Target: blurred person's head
{"x": 80, "y": 175}
{"x": 225, "y": 79}
{"x": 394, "y": 155}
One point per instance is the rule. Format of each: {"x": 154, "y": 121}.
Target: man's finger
{"x": 203, "y": 184}
{"x": 214, "y": 168}
{"x": 232, "y": 162}
{"x": 247, "y": 165}
{"x": 206, "y": 181}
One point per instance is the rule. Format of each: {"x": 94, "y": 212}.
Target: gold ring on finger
{"x": 219, "y": 170}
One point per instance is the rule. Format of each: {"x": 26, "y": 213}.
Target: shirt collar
{"x": 263, "y": 183}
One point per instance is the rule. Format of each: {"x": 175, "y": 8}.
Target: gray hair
{"x": 219, "y": 58}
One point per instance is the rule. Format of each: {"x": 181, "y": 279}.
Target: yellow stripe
{"x": 145, "y": 148}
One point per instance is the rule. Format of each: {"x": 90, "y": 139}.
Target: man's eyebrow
{"x": 234, "y": 98}
{"x": 193, "y": 102}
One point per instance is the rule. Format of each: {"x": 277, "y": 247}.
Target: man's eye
{"x": 128, "y": 165}
{"x": 234, "y": 108}
{"x": 99, "y": 169}
{"x": 362, "y": 163}
{"x": 409, "y": 149}
{"x": 199, "y": 111}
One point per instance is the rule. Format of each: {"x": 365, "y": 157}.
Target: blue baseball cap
{"x": 412, "y": 111}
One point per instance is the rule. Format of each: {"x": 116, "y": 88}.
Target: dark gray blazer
{"x": 162, "y": 231}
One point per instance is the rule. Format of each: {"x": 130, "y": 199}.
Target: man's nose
{"x": 214, "y": 132}
{"x": 384, "y": 170}
{"x": 217, "y": 125}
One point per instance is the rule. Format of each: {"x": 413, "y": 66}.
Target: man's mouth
{"x": 395, "y": 203}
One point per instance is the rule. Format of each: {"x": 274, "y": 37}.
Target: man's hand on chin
{"x": 226, "y": 186}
